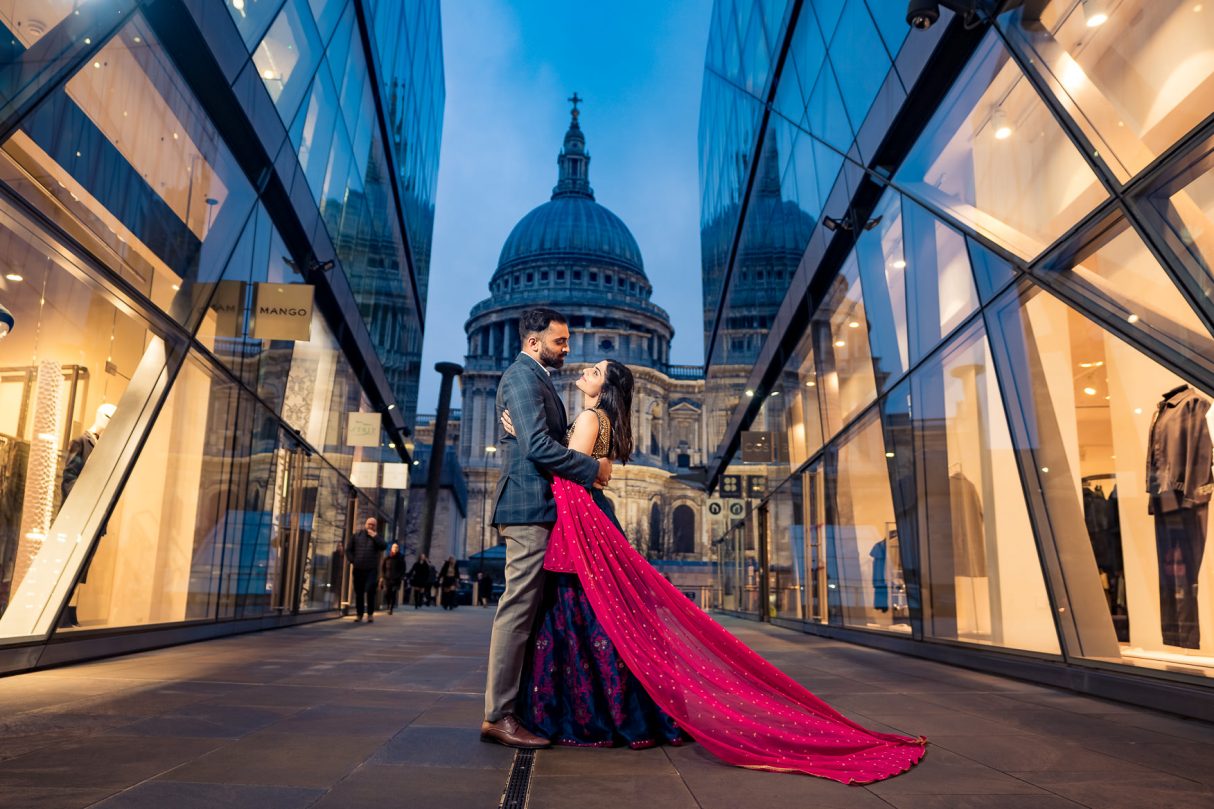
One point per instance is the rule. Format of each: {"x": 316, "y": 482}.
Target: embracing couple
{"x": 603, "y": 650}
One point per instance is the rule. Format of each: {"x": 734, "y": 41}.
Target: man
{"x": 363, "y": 550}
{"x": 524, "y": 510}
{"x": 392, "y": 572}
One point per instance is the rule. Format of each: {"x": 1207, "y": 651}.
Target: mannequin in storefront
{"x": 1180, "y": 482}
{"x": 82, "y": 446}
{"x": 77, "y": 456}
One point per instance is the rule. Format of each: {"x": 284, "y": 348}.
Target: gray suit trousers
{"x": 515, "y": 618}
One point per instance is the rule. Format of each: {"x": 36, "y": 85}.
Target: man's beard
{"x": 553, "y": 359}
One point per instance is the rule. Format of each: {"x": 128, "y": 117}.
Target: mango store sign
{"x": 283, "y": 312}
{"x": 362, "y": 429}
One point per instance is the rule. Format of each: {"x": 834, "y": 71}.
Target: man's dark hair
{"x": 535, "y": 321}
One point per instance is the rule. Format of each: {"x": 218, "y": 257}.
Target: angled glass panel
{"x": 882, "y": 263}
{"x": 864, "y": 562}
{"x": 806, "y": 54}
{"x": 158, "y": 560}
{"x": 991, "y": 272}
{"x": 1121, "y": 451}
{"x": 861, "y": 80}
{"x": 1125, "y": 278}
{"x": 939, "y": 284}
{"x": 825, "y": 115}
{"x": 252, "y": 17}
{"x": 1188, "y": 213}
{"x": 982, "y": 578}
{"x": 124, "y": 156}
{"x": 994, "y": 158}
{"x": 891, "y": 23}
{"x": 1135, "y": 75}
{"x": 840, "y": 343}
{"x": 786, "y": 547}
{"x": 287, "y": 56}
{"x": 803, "y": 412}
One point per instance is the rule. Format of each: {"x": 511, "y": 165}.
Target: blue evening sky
{"x": 509, "y": 68}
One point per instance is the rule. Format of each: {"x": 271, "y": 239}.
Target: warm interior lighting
{"x": 12, "y": 276}
{"x": 267, "y": 74}
{"x": 750, "y": 392}
{"x": 899, "y": 265}
{"x": 853, "y": 325}
{"x": 1090, "y": 391}
{"x": 811, "y": 384}
{"x": 1000, "y": 124}
{"x": 840, "y": 343}
{"x": 1132, "y": 318}
{"x": 1095, "y": 13}
{"x": 889, "y": 455}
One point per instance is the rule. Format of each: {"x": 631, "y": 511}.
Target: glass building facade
{"x": 215, "y": 221}
{"x": 959, "y": 311}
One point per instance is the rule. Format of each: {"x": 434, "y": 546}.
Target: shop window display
{"x": 1124, "y": 454}
{"x": 1135, "y": 75}
{"x": 994, "y": 158}
{"x": 865, "y": 574}
{"x": 65, "y": 368}
{"x": 982, "y": 579}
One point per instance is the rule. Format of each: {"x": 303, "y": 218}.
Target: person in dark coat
{"x": 419, "y": 580}
{"x": 391, "y": 573}
{"x": 484, "y": 587}
{"x": 363, "y": 550}
{"x": 448, "y": 578}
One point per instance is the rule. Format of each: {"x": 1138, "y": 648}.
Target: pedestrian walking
{"x": 363, "y": 550}
{"x": 391, "y": 573}
{"x": 419, "y": 580}
{"x": 448, "y": 578}
{"x": 484, "y": 587}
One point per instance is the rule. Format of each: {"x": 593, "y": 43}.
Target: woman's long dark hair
{"x": 615, "y": 399}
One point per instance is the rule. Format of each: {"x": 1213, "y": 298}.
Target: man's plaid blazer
{"x": 537, "y": 451}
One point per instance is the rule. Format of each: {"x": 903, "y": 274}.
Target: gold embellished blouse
{"x": 602, "y": 444}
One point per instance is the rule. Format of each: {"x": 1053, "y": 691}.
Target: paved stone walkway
{"x": 354, "y": 715}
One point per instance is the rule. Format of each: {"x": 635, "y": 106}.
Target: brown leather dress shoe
{"x": 509, "y": 732}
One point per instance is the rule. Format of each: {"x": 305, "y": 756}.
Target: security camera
{"x": 922, "y": 14}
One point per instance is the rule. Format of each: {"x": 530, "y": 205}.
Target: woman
{"x": 448, "y": 578}
{"x": 622, "y": 656}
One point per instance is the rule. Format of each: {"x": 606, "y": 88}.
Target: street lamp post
{"x": 490, "y": 453}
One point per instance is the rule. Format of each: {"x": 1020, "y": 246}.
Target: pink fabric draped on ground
{"x": 728, "y": 698}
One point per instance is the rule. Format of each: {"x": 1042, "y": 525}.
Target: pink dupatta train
{"x": 728, "y": 698}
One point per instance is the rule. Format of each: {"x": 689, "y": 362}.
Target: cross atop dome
{"x": 573, "y": 179}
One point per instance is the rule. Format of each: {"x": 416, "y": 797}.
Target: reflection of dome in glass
{"x": 571, "y": 226}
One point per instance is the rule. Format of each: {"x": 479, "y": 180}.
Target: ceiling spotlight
{"x": 7, "y": 321}
{"x": 855, "y": 324}
{"x": 840, "y": 343}
{"x": 1095, "y": 12}
{"x": 14, "y": 277}
{"x": 1000, "y": 123}
{"x": 1090, "y": 391}
{"x": 750, "y": 392}
{"x": 811, "y": 384}
{"x": 899, "y": 265}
